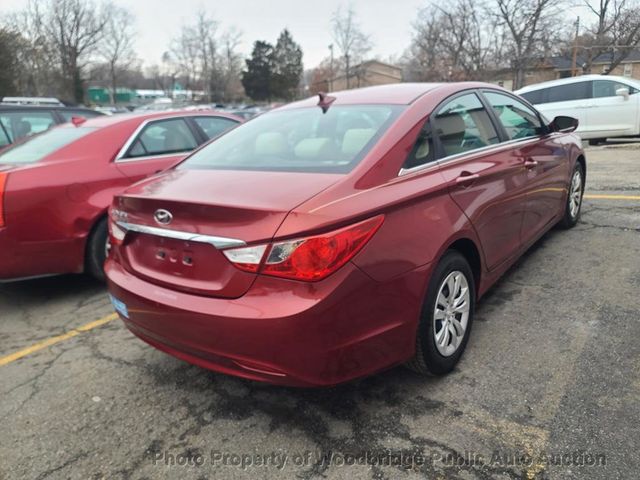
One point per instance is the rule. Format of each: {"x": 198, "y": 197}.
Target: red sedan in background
{"x": 333, "y": 238}
{"x": 55, "y": 187}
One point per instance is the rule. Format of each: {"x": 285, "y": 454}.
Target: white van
{"x": 605, "y": 106}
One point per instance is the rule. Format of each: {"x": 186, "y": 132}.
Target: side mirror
{"x": 623, "y": 92}
{"x": 564, "y": 124}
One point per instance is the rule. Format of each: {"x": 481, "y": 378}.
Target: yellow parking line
{"x": 53, "y": 340}
{"x": 611, "y": 197}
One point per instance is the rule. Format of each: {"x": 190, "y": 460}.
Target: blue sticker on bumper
{"x": 119, "y": 306}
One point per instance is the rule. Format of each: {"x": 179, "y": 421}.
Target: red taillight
{"x": 3, "y": 184}
{"x": 116, "y": 234}
{"x": 309, "y": 259}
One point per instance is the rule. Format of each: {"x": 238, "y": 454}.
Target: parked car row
{"x": 19, "y": 121}
{"x": 606, "y": 106}
{"x": 319, "y": 242}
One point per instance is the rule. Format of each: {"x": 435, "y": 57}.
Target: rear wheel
{"x": 97, "y": 250}
{"x": 446, "y": 318}
{"x": 573, "y": 205}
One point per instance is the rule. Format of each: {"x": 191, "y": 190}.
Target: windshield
{"x": 37, "y": 147}
{"x": 303, "y": 140}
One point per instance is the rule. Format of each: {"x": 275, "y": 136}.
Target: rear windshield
{"x": 302, "y": 140}
{"x": 37, "y": 147}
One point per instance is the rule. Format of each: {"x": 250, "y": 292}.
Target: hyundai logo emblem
{"x": 163, "y": 217}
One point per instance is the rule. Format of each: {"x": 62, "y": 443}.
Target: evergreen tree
{"x": 256, "y": 79}
{"x": 286, "y": 67}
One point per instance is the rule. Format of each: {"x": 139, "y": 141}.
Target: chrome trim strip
{"x": 152, "y": 157}
{"x": 468, "y": 154}
{"x": 217, "y": 242}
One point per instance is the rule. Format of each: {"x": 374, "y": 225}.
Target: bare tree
{"x": 74, "y": 27}
{"x": 352, "y": 42}
{"x": 423, "y": 59}
{"x": 531, "y": 26}
{"x": 461, "y": 41}
{"x": 229, "y": 67}
{"x": 616, "y": 31}
{"x": 473, "y": 37}
{"x": 195, "y": 52}
{"x": 117, "y": 46}
{"x": 37, "y": 59}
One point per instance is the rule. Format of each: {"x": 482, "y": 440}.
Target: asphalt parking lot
{"x": 549, "y": 386}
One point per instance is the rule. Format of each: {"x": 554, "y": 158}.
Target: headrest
{"x": 355, "y": 139}
{"x": 311, "y": 147}
{"x": 270, "y": 143}
{"x": 23, "y": 128}
{"x": 450, "y": 125}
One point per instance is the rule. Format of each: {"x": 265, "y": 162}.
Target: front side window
{"x": 163, "y": 137}
{"x": 463, "y": 124}
{"x": 35, "y": 149}
{"x": 214, "y": 126}
{"x": 518, "y": 120}
{"x": 608, "y": 88}
{"x": 300, "y": 140}
{"x": 24, "y": 124}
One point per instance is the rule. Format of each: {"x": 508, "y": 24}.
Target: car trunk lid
{"x": 206, "y": 211}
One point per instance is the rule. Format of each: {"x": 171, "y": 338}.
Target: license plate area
{"x": 119, "y": 306}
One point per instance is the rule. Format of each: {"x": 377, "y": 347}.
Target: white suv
{"x": 605, "y": 106}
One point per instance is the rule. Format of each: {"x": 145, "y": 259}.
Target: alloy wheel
{"x": 575, "y": 194}
{"x": 451, "y": 314}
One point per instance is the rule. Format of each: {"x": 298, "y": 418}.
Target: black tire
{"x": 428, "y": 359}
{"x": 570, "y": 219}
{"x": 96, "y": 251}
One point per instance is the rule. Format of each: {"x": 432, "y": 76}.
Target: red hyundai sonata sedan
{"x": 56, "y": 187}
{"x": 335, "y": 237}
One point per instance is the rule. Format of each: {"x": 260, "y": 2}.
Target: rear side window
{"x": 214, "y": 126}
{"x": 299, "y": 139}
{"x": 560, "y": 93}
{"x": 163, "y": 137}
{"x": 24, "y": 124}
{"x": 423, "y": 151}
{"x": 35, "y": 149}
{"x": 518, "y": 120}
{"x": 463, "y": 125}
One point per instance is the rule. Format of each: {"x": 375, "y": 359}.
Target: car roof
{"x": 8, "y": 107}
{"x": 392, "y": 94}
{"x": 136, "y": 117}
{"x": 578, "y": 79}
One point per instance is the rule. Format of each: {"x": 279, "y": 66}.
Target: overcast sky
{"x": 387, "y": 21}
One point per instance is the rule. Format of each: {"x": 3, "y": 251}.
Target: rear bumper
{"x": 283, "y": 332}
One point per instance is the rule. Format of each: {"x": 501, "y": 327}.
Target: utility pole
{"x": 331, "y": 68}
{"x": 574, "y": 69}
{"x": 347, "y": 69}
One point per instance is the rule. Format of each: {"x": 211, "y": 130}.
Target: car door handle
{"x": 466, "y": 178}
{"x": 530, "y": 163}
